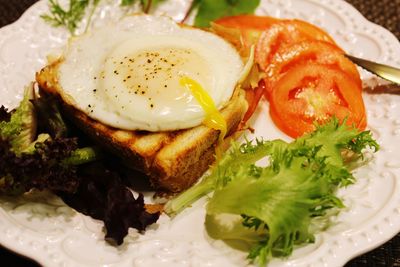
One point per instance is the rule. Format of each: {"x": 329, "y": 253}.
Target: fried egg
{"x": 129, "y": 75}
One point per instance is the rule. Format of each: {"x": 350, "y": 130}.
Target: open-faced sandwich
{"x": 160, "y": 95}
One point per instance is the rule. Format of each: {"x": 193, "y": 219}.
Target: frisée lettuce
{"x": 273, "y": 206}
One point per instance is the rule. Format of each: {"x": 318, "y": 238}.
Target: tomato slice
{"x": 308, "y": 51}
{"x": 313, "y": 92}
{"x": 308, "y": 78}
{"x": 246, "y": 22}
{"x": 286, "y": 33}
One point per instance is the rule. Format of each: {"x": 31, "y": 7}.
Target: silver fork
{"x": 386, "y": 72}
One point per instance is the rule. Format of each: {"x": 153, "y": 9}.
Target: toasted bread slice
{"x": 173, "y": 160}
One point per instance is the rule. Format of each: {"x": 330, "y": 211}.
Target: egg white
{"x": 127, "y": 75}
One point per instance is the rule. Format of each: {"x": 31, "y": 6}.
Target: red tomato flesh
{"x": 314, "y": 93}
{"x": 308, "y": 78}
{"x": 286, "y": 33}
{"x": 246, "y": 22}
{"x": 304, "y": 52}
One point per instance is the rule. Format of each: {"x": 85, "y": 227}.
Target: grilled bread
{"x": 173, "y": 160}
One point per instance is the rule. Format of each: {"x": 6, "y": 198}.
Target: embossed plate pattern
{"x": 43, "y": 228}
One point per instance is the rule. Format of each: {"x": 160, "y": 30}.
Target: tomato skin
{"x": 286, "y": 33}
{"x": 308, "y": 51}
{"x": 312, "y": 31}
{"x": 246, "y": 22}
{"x": 315, "y": 93}
{"x": 308, "y": 79}
{"x": 270, "y": 40}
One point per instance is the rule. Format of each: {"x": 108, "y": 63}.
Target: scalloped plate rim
{"x": 392, "y": 39}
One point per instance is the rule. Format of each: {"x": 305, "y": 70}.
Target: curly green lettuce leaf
{"x": 335, "y": 138}
{"x": 298, "y": 184}
{"x": 241, "y": 158}
{"x": 283, "y": 197}
{"x": 230, "y": 166}
{"x": 229, "y": 227}
{"x": 280, "y": 198}
{"x": 19, "y": 126}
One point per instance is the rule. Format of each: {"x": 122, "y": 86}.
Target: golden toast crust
{"x": 173, "y": 160}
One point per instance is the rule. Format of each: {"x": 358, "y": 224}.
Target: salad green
{"x": 209, "y": 10}
{"x": 40, "y": 150}
{"x": 278, "y": 201}
{"x": 31, "y": 158}
{"x": 20, "y": 128}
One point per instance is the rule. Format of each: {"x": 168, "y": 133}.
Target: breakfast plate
{"x": 43, "y": 228}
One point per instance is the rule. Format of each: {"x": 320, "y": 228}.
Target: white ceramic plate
{"x": 54, "y": 235}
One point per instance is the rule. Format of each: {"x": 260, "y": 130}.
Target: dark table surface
{"x": 383, "y": 12}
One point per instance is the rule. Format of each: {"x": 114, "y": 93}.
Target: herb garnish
{"x": 68, "y": 18}
{"x": 71, "y": 18}
{"x": 207, "y": 11}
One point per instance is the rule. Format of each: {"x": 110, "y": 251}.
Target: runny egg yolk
{"x": 213, "y": 118}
